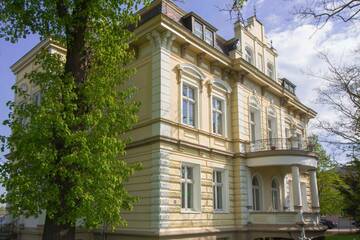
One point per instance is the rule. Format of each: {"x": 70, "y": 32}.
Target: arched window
{"x": 249, "y": 56}
{"x": 256, "y": 192}
{"x": 270, "y": 70}
{"x": 275, "y": 194}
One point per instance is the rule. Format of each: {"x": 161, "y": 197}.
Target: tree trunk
{"x": 54, "y": 231}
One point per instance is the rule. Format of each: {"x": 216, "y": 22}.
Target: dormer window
{"x": 209, "y": 37}
{"x": 198, "y": 29}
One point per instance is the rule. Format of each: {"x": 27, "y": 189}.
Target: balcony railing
{"x": 273, "y": 144}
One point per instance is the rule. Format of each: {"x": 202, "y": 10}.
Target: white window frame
{"x": 225, "y": 190}
{"x": 222, "y": 112}
{"x": 270, "y": 70}
{"x": 271, "y": 130}
{"x": 196, "y": 200}
{"x": 260, "y": 62}
{"x": 206, "y": 39}
{"x": 277, "y": 192}
{"x": 259, "y": 188}
{"x": 249, "y": 55}
{"x": 196, "y": 33}
{"x": 252, "y": 126}
{"x": 195, "y": 101}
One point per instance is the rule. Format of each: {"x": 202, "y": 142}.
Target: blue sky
{"x": 298, "y": 44}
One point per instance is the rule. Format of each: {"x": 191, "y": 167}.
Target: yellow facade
{"x": 170, "y": 60}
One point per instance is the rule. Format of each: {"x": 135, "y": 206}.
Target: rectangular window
{"x": 260, "y": 62}
{"x": 218, "y": 189}
{"x": 37, "y": 98}
{"x": 187, "y": 187}
{"x": 252, "y": 126}
{"x": 271, "y": 132}
{"x": 188, "y": 105}
{"x": 198, "y": 29}
{"x": 209, "y": 37}
{"x": 270, "y": 70}
{"x": 218, "y": 115}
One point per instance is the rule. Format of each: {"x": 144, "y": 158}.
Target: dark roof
{"x": 172, "y": 11}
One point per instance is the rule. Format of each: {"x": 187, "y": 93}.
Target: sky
{"x": 297, "y": 41}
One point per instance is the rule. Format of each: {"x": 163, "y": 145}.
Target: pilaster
{"x": 296, "y": 188}
{"x": 314, "y": 191}
{"x": 160, "y": 78}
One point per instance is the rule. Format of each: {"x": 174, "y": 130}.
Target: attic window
{"x": 209, "y": 37}
{"x": 203, "y": 31}
{"x": 198, "y": 29}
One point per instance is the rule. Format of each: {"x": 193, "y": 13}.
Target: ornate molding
{"x": 161, "y": 40}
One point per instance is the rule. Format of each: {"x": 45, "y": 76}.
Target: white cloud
{"x": 299, "y": 48}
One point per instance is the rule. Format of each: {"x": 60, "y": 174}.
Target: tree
{"x": 351, "y": 192}
{"x": 341, "y": 92}
{"x": 322, "y": 11}
{"x": 234, "y": 8}
{"x": 331, "y": 199}
{"x": 66, "y": 154}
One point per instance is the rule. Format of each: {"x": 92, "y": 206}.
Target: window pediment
{"x": 254, "y": 102}
{"x": 222, "y": 85}
{"x": 192, "y": 70}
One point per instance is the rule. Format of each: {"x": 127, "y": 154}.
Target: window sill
{"x": 221, "y": 211}
{"x": 185, "y": 211}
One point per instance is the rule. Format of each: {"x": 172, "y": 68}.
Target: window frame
{"x": 222, "y": 112}
{"x": 194, "y": 101}
{"x": 197, "y": 33}
{"x": 196, "y": 188}
{"x": 259, "y": 188}
{"x": 212, "y": 40}
{"x": 277, "y": 193}
{"x": 260, "y": 62}
{"x": 224, "y": 190}
{"x": 270, "y": 71}
{"x": 249, "y": 57}
{"x": 36, "y": 98}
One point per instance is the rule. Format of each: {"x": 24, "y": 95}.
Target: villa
{"x": 223, "y": 141}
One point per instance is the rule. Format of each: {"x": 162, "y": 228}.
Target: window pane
{"x": 218, "y": 177}
{"x": 185, "y": 112}
{"x": 183, "y": 172}
{"x": 219, "y": 197}
{"x": 252, "y": 132}
{"x": 191, "y": 116}
{"x": 190, "y": 195}
{"x": 185, "y": 90}
{"x": 198, "y": 29}
{"x": 183, "y": 195}
{"x": 252, "y": 116}
{"x": 209, "y": 37}
{"x": 191, "y": 93}
{"x": 189, "y": 173}
{"x": 219, "y": 123}
{"x": 257, "y": 198}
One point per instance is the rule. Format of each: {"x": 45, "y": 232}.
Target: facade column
{"x": 160, "y": 78}
{"x": 245, "y": 195}
{"x": 296, "y": 188}
{"x": 314, "y": 191}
